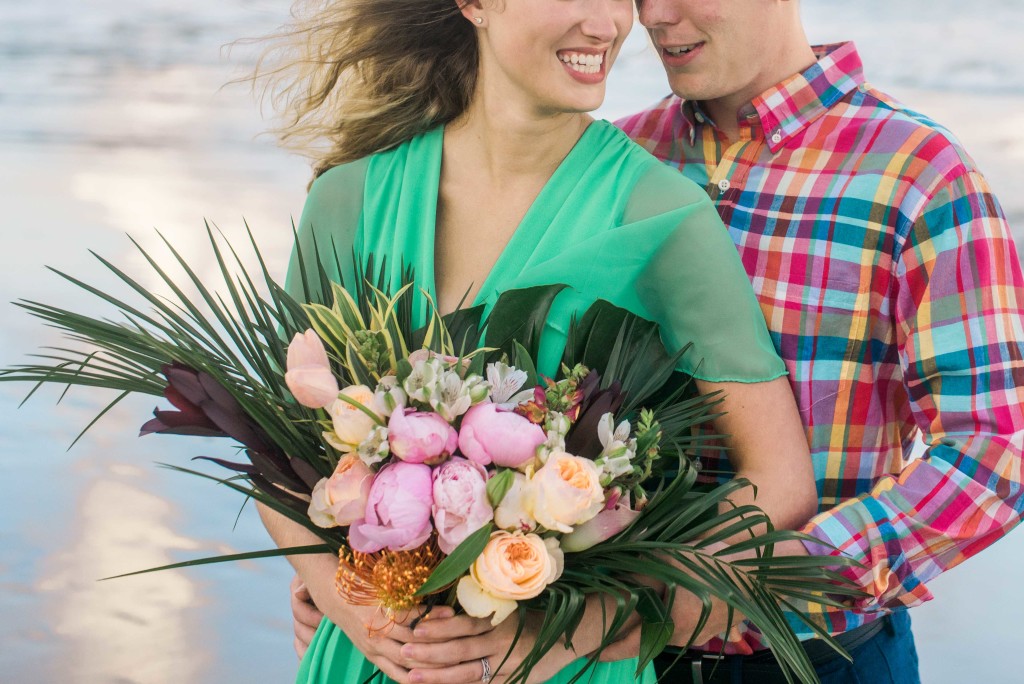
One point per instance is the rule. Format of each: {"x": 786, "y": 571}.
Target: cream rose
{"x": 566, "y": 492}
{"x": 513, "y": 567}
{"x": 515, "y": 510}
{"x": 351, "y": 425}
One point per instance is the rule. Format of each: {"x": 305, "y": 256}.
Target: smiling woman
{"x": 459, "y": 145}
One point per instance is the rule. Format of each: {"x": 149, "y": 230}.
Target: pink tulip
{"x": 602, "y": 526}
{"x": 421, "y": 437}
{"x": 460, "y": 502}
{"x": 397, "y": 510}
{"x": 309, "y": 375}
{"x": 504, "y": 438}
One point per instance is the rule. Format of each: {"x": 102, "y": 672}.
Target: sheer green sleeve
{"x": 696, "y": 288}
{"x": 329, "y": 227}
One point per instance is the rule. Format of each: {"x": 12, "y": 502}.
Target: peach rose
{"x": 341, "y": 498}
{"x": 566, "y": 492}
{"x": 513, "y": 567}
{"x": 351, "y": 424}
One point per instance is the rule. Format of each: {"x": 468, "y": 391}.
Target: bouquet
{"x": 436, "y": 462}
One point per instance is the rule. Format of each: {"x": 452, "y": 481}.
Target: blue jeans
{"x": 888, "y": 658}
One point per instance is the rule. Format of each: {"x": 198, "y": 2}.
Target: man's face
{"x": 717, "y": 49}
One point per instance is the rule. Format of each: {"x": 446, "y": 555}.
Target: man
{"x": 891, "y": 286}
{"x": 892, "y": 289}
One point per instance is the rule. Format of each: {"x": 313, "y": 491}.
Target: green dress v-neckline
{"x": 518, "y": 249}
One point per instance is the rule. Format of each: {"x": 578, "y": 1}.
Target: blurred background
{"x": 115, "y": 119}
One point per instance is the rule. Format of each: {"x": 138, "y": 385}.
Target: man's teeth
{"x": 583, "y": 63}
{"x": 676, "y": 51}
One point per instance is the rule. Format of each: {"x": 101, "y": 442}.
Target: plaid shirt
{"x": 893, "y": 292}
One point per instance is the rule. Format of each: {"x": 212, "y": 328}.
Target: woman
{"x": 461, "y": 146}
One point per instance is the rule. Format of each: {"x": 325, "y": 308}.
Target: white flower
{"x": 616, "y": 459}
{"x": 454, "y": 396}
{"x": 607, "y": 434}
{"x": 556, "y": 426}
{"x": 423, "y": 382}
{"x": 375, "y": 447}
{"x": 505, "y": 382}
{"x": 390, "y": 396}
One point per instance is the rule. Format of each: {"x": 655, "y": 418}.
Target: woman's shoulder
{"x": 653, "y": 186}
{"x": 340, "y": 181}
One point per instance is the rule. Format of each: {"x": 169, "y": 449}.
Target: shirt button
{"x": 723, "y": 185}
{"x": 776, "y": 137}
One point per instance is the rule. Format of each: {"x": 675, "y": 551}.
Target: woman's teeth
{"x": 583, "y": 63}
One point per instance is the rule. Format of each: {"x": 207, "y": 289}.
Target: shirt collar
{"x": 788, "y": 107}
{"x": 792, "y": 105}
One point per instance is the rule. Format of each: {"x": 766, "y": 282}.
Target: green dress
{"x": 612, "y": 223}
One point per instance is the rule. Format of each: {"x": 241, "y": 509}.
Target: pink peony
{"x": 397, "y": 510}
{"x": 309, "y": 375}
{"x": 421, "y": 437}
{"x": 341, "y": 498}
{"x": 460, "y": 502}
{"x": 507, "y": 439}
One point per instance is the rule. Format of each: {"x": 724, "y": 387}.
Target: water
{"x": 113, "y": 120}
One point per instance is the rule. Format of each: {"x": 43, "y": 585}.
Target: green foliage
{"x": 457, "y": 563}
{"x": 240, "y": 339}
{"x": 498, "y": 486}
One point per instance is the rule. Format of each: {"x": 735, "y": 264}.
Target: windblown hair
{"x": 353, "y": 77}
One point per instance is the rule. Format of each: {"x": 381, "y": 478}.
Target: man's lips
{"x": 680, "y": 54}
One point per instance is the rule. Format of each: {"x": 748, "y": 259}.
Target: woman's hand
{"x": 382, "y": 641}
{"x": 369, "y": 630}
{"x": 454, "y": 648}
{"x": 306, "y": 616}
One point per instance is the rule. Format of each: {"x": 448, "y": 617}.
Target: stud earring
{"x": 478, "y": 20}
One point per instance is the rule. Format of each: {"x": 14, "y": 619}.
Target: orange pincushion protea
{"x": 386, "y": 578}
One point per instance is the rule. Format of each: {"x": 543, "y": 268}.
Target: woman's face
{"x": 551, "y": 56}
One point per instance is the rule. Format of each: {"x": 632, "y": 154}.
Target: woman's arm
{"x": 768, "y": 446}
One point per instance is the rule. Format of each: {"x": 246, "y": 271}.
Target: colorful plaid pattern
{"x": 893, "y": 292}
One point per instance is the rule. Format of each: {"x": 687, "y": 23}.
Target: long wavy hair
{"x": 353, "y": 77}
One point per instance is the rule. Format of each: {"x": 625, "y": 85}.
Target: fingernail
{"x": 300, "y": 588}
{"x": 407, "y": 651}
{"x": 415, "y": 677}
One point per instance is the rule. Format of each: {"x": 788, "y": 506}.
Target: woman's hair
{"x": 353, "y": 77}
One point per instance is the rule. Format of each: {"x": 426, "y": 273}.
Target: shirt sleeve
{"x": 326, "y": 234}
{"x": 958, "y": 317}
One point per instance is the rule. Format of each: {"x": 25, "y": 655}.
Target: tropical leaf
{"x": 455, "y": 564}
{"x": 518, "y": 316}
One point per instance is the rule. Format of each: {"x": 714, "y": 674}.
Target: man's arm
{"x": 958, "y": 313}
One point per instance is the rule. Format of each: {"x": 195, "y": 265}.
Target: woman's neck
{"x": 506, "y": 143}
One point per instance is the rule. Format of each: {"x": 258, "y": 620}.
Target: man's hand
{"x": 306, "y": 616}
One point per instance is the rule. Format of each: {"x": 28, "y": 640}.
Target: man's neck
{"x": 724, "y": 111}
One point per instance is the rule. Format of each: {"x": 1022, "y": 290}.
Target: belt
{"x": 712, "y": 668}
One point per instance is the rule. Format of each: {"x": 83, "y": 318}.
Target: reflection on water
{"x": 113, "y": 120}
{"x": 131, "y": 628}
